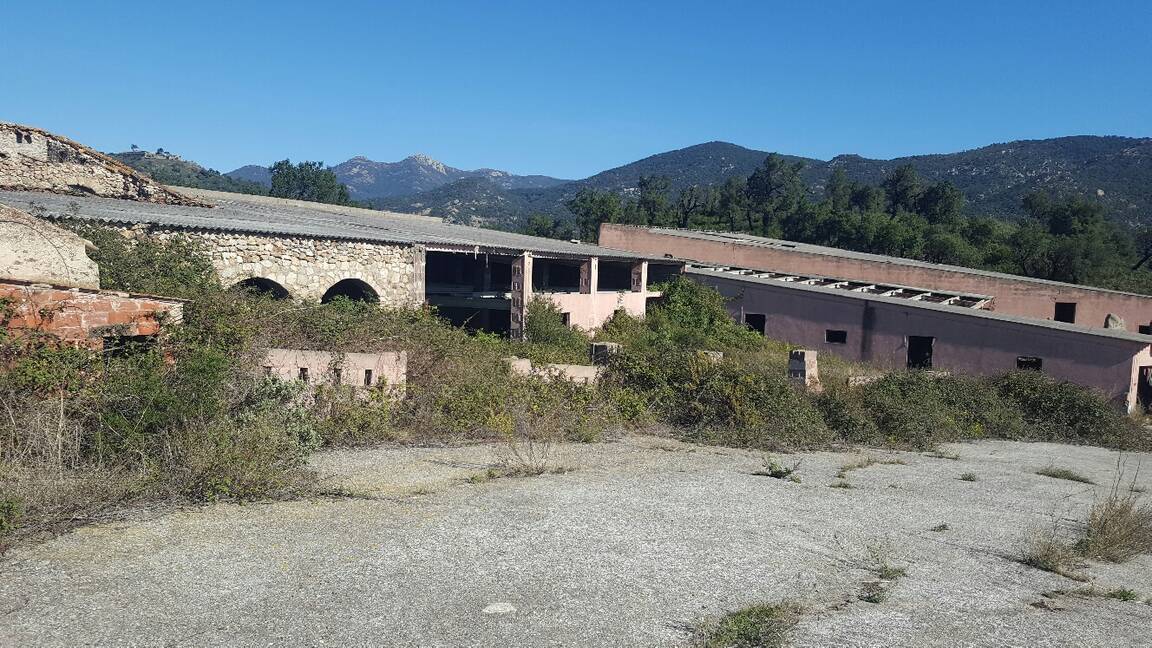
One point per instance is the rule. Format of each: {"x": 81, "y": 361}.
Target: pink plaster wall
{"x": 964, "y": 342}
{"x": 388, "y": 369}
{"x": 1015, "y": 296}
{"x": 590, "y": 310}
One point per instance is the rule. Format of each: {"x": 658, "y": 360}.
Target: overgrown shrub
{"x": 1061, "y": 411}
{"x": 551, "y": 340}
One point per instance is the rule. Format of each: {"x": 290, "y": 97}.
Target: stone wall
{"x": 308, "y": 267}
{"x": 35, "y": 160}
{"x": 37, "y": 251}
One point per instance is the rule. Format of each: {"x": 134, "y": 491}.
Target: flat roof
{"x": 279, "y": 217}
{"x": 1117, "y": 334}
{"x": 808, "y": 248}
{"x": 899, "y": 291}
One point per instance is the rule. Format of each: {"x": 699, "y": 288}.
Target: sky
{"x": 571, "y": 88}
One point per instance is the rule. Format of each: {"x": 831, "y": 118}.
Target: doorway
{"x": 1144, "y": 388}
{"x": 920, "y": 351}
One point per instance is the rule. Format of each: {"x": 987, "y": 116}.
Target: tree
{"x": 546, "y": 226}
{"x": 592, "y": 207}
{"x": 838, "y": 192}
{"x": 654, "y": 202}
{"x": 307, "y": 181}
{"x": 941, "y": 204}
{"x": 775, "y": 191}
{"x": 902, "y": 189}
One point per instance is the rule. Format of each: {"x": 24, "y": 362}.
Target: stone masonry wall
{"x": 308, "y": 267}
{"x": 35, "y": 160}
{"x": 37, "y": 251}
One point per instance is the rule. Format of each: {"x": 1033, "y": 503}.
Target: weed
{"x": 878, "y": 560}
{"x": 841, "y": 483}
{"x": 773, "y": 468}
{"x": 1044, "y": 550}
{"x": 940, "y": 528}
{"x": 757, "y": 626}
{"x": 968, "y": 477}
{"x": 873, "y": 592}
{"x": 1119, "y": 528}
{"x": 866, "y": 461}
{"x": 1063, "y": 473}
{"x": 943, "y": 454}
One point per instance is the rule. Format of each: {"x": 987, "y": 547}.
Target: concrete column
{"x": 639, "y": 276}
{"x": 521, "y": 295}
{"x": 590, "y": 276}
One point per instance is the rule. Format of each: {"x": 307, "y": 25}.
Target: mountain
{"x": 252, "y": 173}
{"x": 368, "y": 179}
{"x": 1115, "y": 170}
{"x": 168, "y": 168}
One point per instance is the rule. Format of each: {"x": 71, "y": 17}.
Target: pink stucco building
{"x": 1013, "y": 295}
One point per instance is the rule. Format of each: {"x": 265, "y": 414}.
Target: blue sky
{"x": 569, "y": 89}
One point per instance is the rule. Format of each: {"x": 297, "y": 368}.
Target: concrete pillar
{"x": 590, "y": 276}
{"x": 803, "y": 369}
{"x": 639, "y": 276}
{"x": 521, "y": 295}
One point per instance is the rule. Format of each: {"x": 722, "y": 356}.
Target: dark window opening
{"x": 351, "y": 289}
{"x": 920, "y": 351}
{"x": 566, "y": 318}
{"x": 756, "y": 321}
{"x": 303, "y": 374}
{"x": 550, "y": 275}
{"x": 267, "y": 370}
{"x": 454, "y": 273}
{"x": 1065, "y": 312}
{"x": 1144, "y": 388}
{"x": 614, "y": 276}
{"x": 1146, "y": 329}
{"x": 336, "y": 376}
{"x": 1029, "y": 362}
{"x": 120, "y": 346}
{"x": 836, "y": 337}
{"x": 262, "y": 287}
{"x": 367, "y": 377}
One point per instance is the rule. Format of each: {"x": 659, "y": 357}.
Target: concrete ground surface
{"x": 643, "y": 539}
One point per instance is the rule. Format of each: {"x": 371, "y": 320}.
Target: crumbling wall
{"x": 37, "y": 251}
{"x": 84, "y": 317}
{"x": 35, "y": 160}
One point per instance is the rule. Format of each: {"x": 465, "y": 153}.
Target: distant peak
{"x": 425, "y": 160}
{"x": 360, "y": 158}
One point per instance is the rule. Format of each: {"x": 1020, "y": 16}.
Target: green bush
{"x": 1060, "y": 411}
{"x": 10, "y": 511}
{"x": 550, "y": 339}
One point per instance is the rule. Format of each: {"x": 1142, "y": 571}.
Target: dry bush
{"x": 1043, "y": 549}
{"x": 1119, "y": 527}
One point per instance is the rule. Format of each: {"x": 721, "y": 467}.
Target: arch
{"x": 354, "y": 289}
{"x": 263, "y": 287}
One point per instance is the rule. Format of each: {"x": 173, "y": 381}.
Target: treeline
{"x": 1063, "y": 239}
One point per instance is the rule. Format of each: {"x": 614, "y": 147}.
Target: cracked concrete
{"x": 644, "y": 539}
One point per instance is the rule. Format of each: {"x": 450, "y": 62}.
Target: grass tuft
{"x": 1063, "y": 473}
{"x": 757, "y": 626}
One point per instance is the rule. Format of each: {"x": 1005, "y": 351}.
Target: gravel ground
{"x": 641, "y": 540}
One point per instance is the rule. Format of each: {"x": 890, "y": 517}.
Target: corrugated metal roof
{"x": 954, "y": 310}
{"x": 807, "y": 248}
{"x": 271, "y": 216}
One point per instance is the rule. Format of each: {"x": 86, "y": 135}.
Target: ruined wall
{"x": 37, "y": 251}
{"x": 35, "y": 160}
{"x": 308, "y": 267}
{"x": 85, "y": 317}
{"x": 388, "y": 369}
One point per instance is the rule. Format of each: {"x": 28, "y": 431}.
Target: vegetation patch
{"x": 1063, "y": 473}
{"x": 757, "y": 626}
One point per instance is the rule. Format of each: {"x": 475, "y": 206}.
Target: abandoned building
{"x": 896, "y": 327}
{"x": 49, "y": 285}
{"x": 1011, "y": 294}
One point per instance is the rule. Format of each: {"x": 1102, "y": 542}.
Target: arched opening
{"x": 262, "y": 287}
{"x": 353, "y": 289}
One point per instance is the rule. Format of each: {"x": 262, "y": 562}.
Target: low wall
{"x": 388, "y": 369}
{"x": 583, "y": 374}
